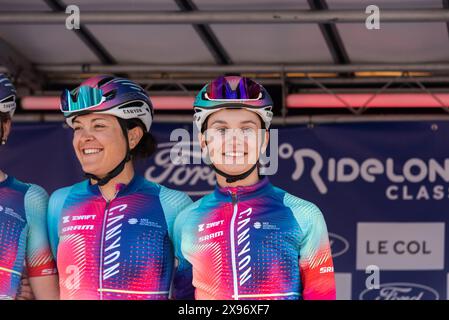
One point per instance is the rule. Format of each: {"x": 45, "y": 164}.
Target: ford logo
{"x": 167, "y": 168}
{"x": 339, "y": 245}
{"x": 400, "y": 291}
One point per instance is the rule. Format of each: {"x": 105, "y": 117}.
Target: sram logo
{"x": 326, "y": 269}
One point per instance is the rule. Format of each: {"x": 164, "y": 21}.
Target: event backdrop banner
{"x": 383, "y": 188}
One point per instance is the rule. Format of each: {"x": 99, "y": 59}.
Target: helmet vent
{"x": 104, "y": 81}
{"x": 8, "y": 99}
{"x": 110, "y": 95}
{"x": 131, "y": 104}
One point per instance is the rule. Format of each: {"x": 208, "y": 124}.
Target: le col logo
{"x": 346, "y": 170}
{"x": 400, "y": 291}
{"x": 339, "y": 245}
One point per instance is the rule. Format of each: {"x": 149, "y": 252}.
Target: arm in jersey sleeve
{"x": 173, "y": 202}
{"x": 315, "y": 258}
{"x": 55, "y": 205}
{"x": 39, "y": 258}
{"x": 183, "y": 280}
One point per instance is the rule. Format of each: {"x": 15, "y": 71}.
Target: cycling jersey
{"x": 255, "y": 242}
{"x": 23, "y": 235}
{"x": 118, "y": 249}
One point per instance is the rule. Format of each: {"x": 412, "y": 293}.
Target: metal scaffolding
{"x": 242, "y": 68}
{"x": 227, "y": 17}
{"x": 341, "y": 73}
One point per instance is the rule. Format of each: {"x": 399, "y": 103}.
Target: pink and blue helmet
{"x": 7, "y": 96}
{"x": 232, "y": 92}
{"x": 107, "y": 94}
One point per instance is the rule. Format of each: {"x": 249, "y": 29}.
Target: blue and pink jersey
{"x": 23, "y": 235}
{"x": 118, "y": 249}
{"x": 255, "y": 242}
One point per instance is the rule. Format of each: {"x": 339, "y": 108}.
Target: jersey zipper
{"x": 233, "y": 255}
{"x": 105, "y": 216}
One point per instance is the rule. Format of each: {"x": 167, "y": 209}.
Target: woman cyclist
{"x": 112, "y": 233}
{"x": 24, "y": 245}
{"x": 248, "y": 239}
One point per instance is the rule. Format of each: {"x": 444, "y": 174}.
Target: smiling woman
{"x": 249, "y": 239}
{"x": 112, "y": 233}
{"x": 92, "y": 133}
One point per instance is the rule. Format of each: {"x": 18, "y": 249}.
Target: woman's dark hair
{"x": 147, "y": 144}
{"x": 4, "y": 117}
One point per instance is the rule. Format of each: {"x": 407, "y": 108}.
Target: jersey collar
{"x": 7, "y": 181}
{"x": 122, "y": 189}
{"x": 246, "y": 192}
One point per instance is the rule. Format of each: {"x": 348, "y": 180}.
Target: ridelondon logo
{"x": 404, "y": 179}
{"x": 410, "y": 179}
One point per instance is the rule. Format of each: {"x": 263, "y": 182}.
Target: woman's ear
{"x": 266, "y": 139}
{"x": 202, "y": 140}
{"x": 6, "y": 129}
{"x": 134, "y": 136}
{"x": 204, "y": 150}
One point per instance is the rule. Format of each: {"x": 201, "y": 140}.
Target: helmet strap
{"x": 2, "y": 132}
{"x": 234, "y": 178}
